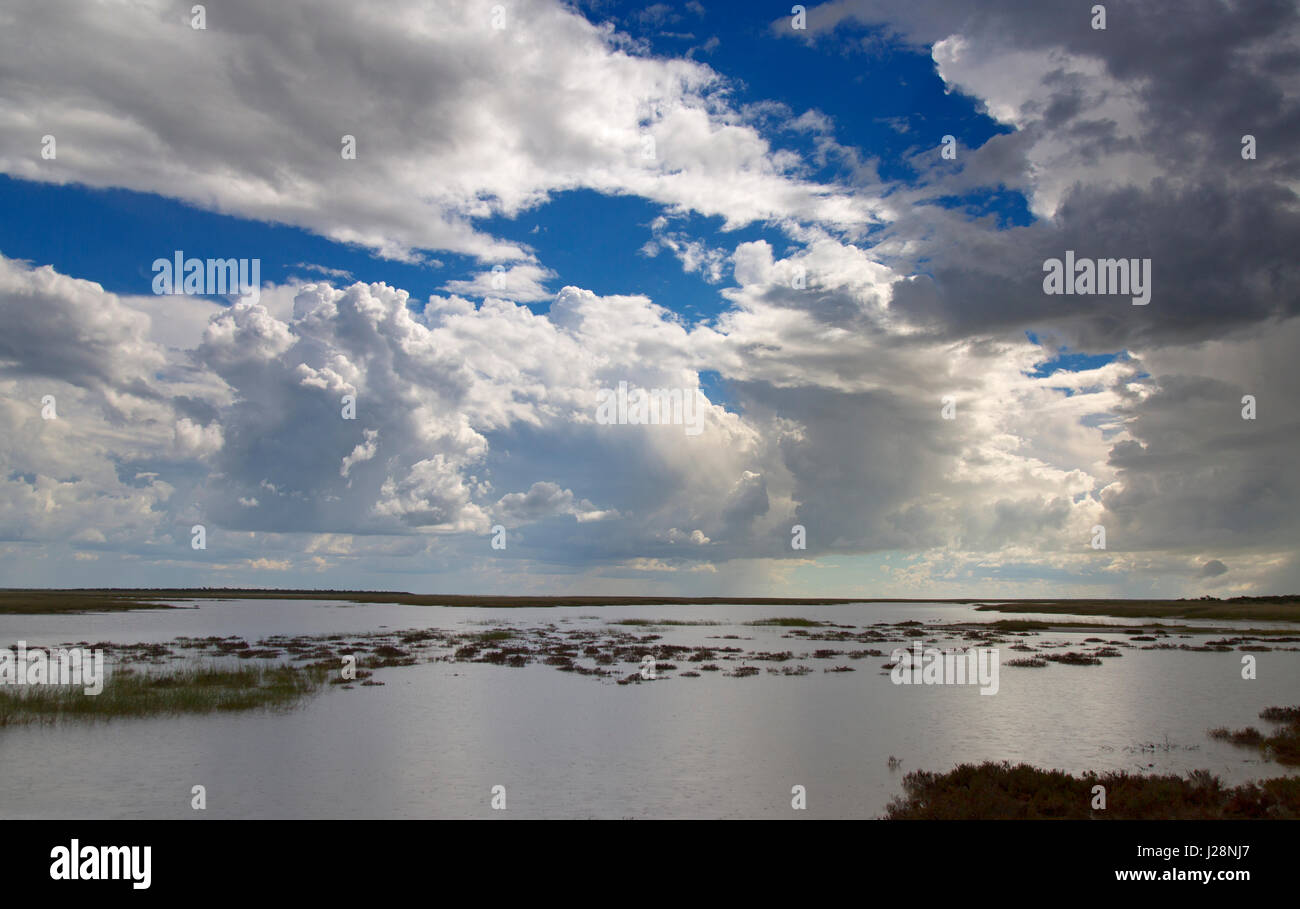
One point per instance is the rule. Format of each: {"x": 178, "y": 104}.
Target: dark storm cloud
{"x": 1221, "y": 231}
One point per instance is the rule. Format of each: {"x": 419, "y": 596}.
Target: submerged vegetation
{"x": 1021, "y": 792}
{"x": 129, "y": 692}
{"x": 787, "y": 622}
{"x": 1248, "y": 736}
{"x": 1283, "y": 745}
{"x": 651, "y": 623}
{"x": 610, "y": 650}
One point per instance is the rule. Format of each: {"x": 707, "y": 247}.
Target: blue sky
{"x": 887, "y": 104}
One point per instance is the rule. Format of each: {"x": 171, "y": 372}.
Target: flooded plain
{"x": 552, "y": 704}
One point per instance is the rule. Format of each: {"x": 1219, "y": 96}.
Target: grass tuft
{"x": 129, "y": 693}
{"x": 1282, "y": 746}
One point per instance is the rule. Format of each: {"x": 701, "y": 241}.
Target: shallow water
{"x": 435, "y": 739}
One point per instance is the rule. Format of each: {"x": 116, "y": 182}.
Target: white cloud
{"x": 454, "y": 118}
{"x": 832, "y": 357}
{"x": 523, "y": 283}
{"x": 839, "y": 429}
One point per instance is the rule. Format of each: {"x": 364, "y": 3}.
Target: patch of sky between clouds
{"x": 121, "y": 232}
{"x": 1066, "y": 360}
{"x": 598, "y": 242}
{"x": 883, "y": 97}
{"x": 1009, "y": 207}
{"x": 715, "y": 389}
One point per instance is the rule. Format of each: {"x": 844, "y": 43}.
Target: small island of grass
{"x": 183, "y": 690}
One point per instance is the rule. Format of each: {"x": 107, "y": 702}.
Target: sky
{"x": 827, "y": 227}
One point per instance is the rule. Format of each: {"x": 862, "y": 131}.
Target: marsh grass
{"x": 1019, "y": 625}
{"x": 1022, "y": 792}
{"x": 44, "y": 602}
{"x": 1290, "y": 715}
{"x": 1265, "y": 609}
{"x": 196, "y": 689}
{"x": 34, "y": 601}
{"x": 787, "y": 622}
{"x": 1248, "y": 736}
{"x": 1283, "y": 745}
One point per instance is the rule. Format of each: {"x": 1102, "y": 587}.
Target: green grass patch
{"x": 132, "y": 693}
{"x": 48, "y": 602}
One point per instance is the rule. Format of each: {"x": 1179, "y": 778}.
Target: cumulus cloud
{"x": 879, "y": 391}
{"x": 63, "y": 328}
{"x": 1122, "y": 145}
{"x": 457, "y": 119}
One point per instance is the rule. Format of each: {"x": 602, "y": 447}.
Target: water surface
{"x": 435, "y": 739}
